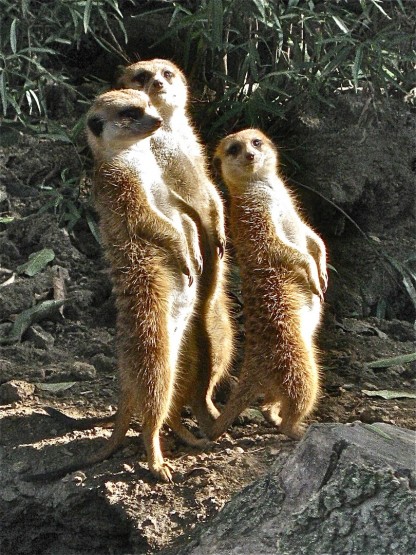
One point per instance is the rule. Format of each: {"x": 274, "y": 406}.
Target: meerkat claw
{"x": 163, "y": 472}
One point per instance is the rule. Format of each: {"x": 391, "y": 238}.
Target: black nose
{"x": 250, "y": 156}
{"x": 157, "y": 84}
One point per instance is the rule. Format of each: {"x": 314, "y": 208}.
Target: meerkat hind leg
{"x": 271, "y": 412}
{"x": 160, "y": 468}
{"x": 292, "y": 419}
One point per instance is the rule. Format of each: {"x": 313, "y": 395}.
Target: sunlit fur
{"x": 283, "y": 271}
{"x": 209, "y": 344}
{"x": 153, "y": 252}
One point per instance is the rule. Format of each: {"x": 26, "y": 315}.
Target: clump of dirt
{"x": 67, "y": 358}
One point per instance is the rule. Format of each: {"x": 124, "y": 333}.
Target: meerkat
{"x": 209, "y": 344}
{"x": 153, "y": 251}
{"x": 283, "y": 272}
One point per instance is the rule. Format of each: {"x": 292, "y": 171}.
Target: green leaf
{"x": 357, "y": 65}
{"x": 93, "y": 227}
{"x": 340, "y": 24}
{"x": 87, "y": 15}
{"x": 41, "y": 311}
{"x": 13, "y": 38}
{"x": 6, "y": 219}
{"x": 37, "y": 262}
{"x": 216, "y": 15}
{"x": 3, "y": 92}
{"x": 376, "y": 430}
{"x": 393, "y": 361}
{"x": 55, "y": 387}
{"x": 390, "y": 394}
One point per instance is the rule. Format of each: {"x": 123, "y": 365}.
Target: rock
{"x": 39, "y": 337}
{"x": 104, "y": 364}
{"x": 83, "y": 371}
{"x": 344, "y": 490}
{"x": 15, "y": 390}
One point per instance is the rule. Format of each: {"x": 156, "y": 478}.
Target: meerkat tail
{"x": 240, "y": 399}
{"x": 121, "y": 427}
{"x": 81, "y": 423}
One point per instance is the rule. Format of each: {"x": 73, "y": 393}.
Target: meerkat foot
{"x": 272, "y": 416}
{"x": 162, "y": 471}
{"x": 294, "y": 431}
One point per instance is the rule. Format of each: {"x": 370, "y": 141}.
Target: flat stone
{"x": 39, "y": 337}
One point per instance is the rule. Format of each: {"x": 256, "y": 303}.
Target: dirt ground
{"x": 66, "y": 360}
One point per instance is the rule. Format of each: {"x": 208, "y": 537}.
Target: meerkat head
{"x": 160, "y": 79}
{"x": 119, "y": 119}
{"x": 245, "y": 157}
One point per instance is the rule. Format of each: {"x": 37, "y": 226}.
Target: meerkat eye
{"x": 140, "y": 78}
{"x": 131, "y": 113}
{"x": 234, "y": 149}
{"x": 257, "y": 142}
{"x": 167, "y": 74}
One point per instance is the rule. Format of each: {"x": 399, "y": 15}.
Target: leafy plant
{"x": 35, "y": 37}
{"x": 259, "y": 59}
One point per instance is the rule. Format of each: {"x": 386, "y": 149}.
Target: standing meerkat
{"x": 153, "y": 251}
{"x": 181, "y": 158}
{"x": 283, "y": 272}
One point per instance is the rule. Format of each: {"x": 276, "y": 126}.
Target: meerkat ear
{"x": 96, "y": 125}
{"x": 216, "y": 166}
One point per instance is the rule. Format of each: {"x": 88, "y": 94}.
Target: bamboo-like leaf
{"x": 87, "y": 15}
{"x": 93, "y": 227}
{"x": 36, "y": 99}
{"x": 13, "y": 37}
{"x": 357, "y": 65}
{"x": 37, "y": 262}
{"x": 390, "y": 394}
{"x": 376, "y": 3}
{"x": 392, "y": 361}
{"x": 260, "y": 6}
{"x": 215, "y": 18}
{"x": 55, "y": 387}
{"x": 6, "y": 219}
{"x": 341, "y": 24}
{"x": 3, "y": 94}
{"x": 374, "y": 428}
{"x": 41, "y": 311}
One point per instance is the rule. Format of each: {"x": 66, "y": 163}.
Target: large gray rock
{"x": 345, "y": 490}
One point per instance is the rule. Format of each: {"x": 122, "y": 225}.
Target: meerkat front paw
{"x": 185, "y": 266}
{"x": 221, "y": 242}
{"x": 323, "y": 279}
{"x": 313, "y": 279}
{"x": 199, "y": 263}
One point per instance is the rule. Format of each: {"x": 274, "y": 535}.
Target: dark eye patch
{"x": 96, "y": 125}
{"x": 131, "y": 113}
{"x": 234, "y": 149}
{"x": 256, "y": 142}
{"x": 141, "y": 77}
